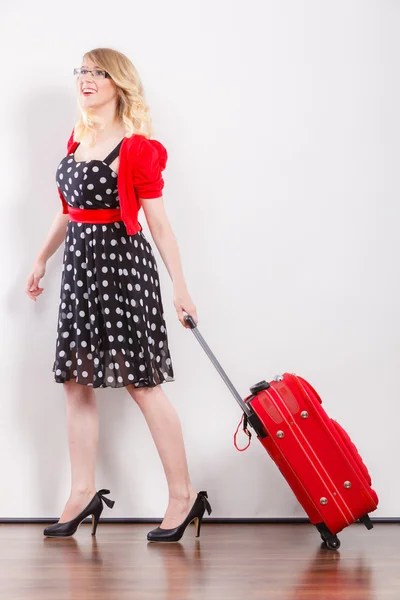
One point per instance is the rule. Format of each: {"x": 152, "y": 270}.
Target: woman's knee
{"x": 76, "y": 392}
{"x": 142, "y": 395}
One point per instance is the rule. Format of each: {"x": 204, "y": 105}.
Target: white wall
{"x": 281, "y": 122}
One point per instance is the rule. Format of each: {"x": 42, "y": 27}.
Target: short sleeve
{"x": 63, "y": 201}
{"x": 149, "y": 162}
{"x": 64, "y": 204}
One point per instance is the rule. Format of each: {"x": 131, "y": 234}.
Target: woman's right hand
{"x": 32, "y": 286}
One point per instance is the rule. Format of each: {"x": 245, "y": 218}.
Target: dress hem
{"x": 121, "y": 385}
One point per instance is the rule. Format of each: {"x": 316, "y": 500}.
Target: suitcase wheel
{"x": 332, "y": 543}
{"x": 259, "y": 387}
{"x": 330, "y": 540}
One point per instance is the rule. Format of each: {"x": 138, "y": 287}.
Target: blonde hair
{"x": 132, "y": 109}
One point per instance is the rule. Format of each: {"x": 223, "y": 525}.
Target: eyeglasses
{"x": 96, "y": 74}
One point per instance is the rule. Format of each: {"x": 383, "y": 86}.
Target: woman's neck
{"x": 112, "y": 125}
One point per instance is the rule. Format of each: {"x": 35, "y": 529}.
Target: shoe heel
{"x": 197, "y": 524}
{"x": 95, "y": 520}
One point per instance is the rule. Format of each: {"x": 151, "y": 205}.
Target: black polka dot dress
{"x": 111, "y": 327}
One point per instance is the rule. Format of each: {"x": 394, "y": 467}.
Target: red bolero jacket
{"x": 141, "y": 162}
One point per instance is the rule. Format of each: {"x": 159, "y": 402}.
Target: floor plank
{"x": 228, "y": 562}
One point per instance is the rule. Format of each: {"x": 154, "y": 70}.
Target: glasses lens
{"x": 96, "y": 74}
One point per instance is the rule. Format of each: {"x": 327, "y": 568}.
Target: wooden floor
{"x": 229, "y": 562}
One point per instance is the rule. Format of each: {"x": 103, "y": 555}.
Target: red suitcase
{"x": 313, "y": 452}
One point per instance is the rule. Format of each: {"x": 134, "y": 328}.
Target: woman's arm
{"x": 53, "y": 241}
{"x": 164, "y": 238}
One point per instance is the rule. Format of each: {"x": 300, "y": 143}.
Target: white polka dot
{"x": 95, "y": 169}
{"x": 65, "y": 334}
{"x": 142, "y": 368}
{"x": 84, "y": 373}
{"x": 112, "y": 256}
{"x": 83, "y": 344}
{"x": 100, "y": 374}
{"x": 90, "y": 186}
{"x": 130, "y": 377}
{"x": 81, "y": 313}
{"x": 110, "y": 379}
{"x": 105, "y": 283}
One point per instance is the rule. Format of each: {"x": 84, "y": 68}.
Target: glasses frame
{"x": 77, "y": 72}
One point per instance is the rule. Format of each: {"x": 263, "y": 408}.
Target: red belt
{"x": 94, "y": 215}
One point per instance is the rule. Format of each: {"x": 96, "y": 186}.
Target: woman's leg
{"x": 83, "y": 434}
{"x": 165, "y": 428}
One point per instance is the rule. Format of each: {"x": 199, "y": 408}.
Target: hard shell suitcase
{"x": 313, "y": 452}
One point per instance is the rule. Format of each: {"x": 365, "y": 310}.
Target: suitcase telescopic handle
{"x": 192, "y": 324}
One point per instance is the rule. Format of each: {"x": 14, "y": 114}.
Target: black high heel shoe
{"x": 195, "y": 515}
{"x": 94, "y": 508}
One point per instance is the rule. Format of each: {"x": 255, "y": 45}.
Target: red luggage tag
{"x": 247, "y": 432}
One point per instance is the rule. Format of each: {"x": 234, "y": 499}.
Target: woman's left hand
{"x": 183, "y": 302}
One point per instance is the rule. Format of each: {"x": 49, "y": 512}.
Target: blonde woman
{"x": 111, "y": 328}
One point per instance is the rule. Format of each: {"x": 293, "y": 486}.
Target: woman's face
{"x": 94, "y": 90}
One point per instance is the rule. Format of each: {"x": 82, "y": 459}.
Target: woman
{"x": 111, "y": 328}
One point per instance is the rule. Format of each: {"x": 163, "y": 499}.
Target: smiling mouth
{"x": 88, "y": 92}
